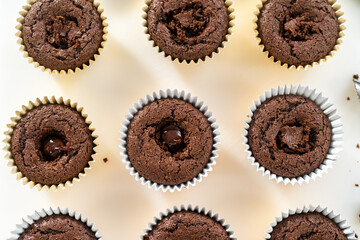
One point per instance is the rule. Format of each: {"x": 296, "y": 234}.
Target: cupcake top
{"x": 189, "y": 29}
{"x": 58, "y": 226}
{"x": 307, "y": 226}
{"x": 62, "y": 34}
{"x": 298, "y": 32}
{"x": 187, "y": 225}
{"x": 51, "y": 144}
{"x": 169, "y": 141}
{"x": 289, "y": 135}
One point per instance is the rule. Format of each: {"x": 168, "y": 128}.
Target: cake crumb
{"x": 105, "y": 160}
{"x": 348, "y": 98}
{"x": 356, "y": 185}
{"x": 356, "y": 76}
{"x": 357, "y": 146}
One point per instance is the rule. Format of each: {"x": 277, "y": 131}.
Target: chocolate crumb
{"x": 356, "y": 236}
{"x": 356, "y": 185}
{"x": 105, "y": 160}
{"x": 356, "y": 76}
{"x": 357, "y": 146}
{"x": 348, "y": 98}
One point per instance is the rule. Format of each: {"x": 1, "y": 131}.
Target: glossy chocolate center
{"x": 53, "y": 147}
{"x": 172, "y": 137}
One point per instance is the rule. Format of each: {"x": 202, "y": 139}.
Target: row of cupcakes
{"x": 187, "y": 222}
{"x": 169, "y": 139}
{"x": 64, "y": 37}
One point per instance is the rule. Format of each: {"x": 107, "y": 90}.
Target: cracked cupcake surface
{"x": 307, "y": 226}
{"x": 298, "y": 32}
{"x": 169, "y": 141}
{"x": 289, "y": 135}
{"x": 62, "y": 34}
{"x": 190, "y": 29}
{"x": 187, "y": 225}
{"x": 58, "y": 226}
{"x": 51, "y": 144}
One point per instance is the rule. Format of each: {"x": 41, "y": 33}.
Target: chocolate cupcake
{"x": 169, "y": 140}
{"x": 50, "y": 143}
{"x": 55, "y": 224}
{"x": 292, "y": 134}
{"x": 310, "y": 223}
{"x": 188, "y": 30}
{"x": 188, "y": 223}
{"x": 62, "y": 36}
{"x": 299, "y": 33}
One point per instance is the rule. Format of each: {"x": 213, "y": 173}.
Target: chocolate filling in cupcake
{"x": 298, "y": 32}
{"x": 169, "y": 141}
{"x": 188, "y": 30}
{"x": 51, "y": 144}
{"x": 62, "y": 34}
{"x": 58, "y": 227}
{"x": 289, "y": 135}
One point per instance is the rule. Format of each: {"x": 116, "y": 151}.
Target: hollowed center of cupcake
{"x": 52, "y": 147}
{"x": 187, "y": 22}
{"x": 295, "y": 139}
{"x": 299, "y": 27}
{"x": 171, "y": 137}
{"x": 62, "y": 32}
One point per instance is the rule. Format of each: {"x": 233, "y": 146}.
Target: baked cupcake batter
{"x": 189, "y": 29}
{"x": 289, "y": 135}
{"x": 62, "y": 34}
{"x": 298, "y": 32}
{"x": 58, "y": 227}
{"x": 51, "y": 144}
{"x": 187, "y": 225}
{"x": 307, "y": 226}
{"x": 169, "y": 141}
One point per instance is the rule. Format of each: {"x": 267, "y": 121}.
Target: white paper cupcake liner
{"x": 339, "y": 41}
{"x": 20, "y": 40}
{"x": 357, "y": 85}
{"x": 189, "y": 208}
{"x": 14, "y": 120}
{"x": 226, "y": 39}
{"x": 324, "y": 211}
{"x": 328, "y": 109}
{"x": 161, "y": 95}
{"x": 30, "y": 219}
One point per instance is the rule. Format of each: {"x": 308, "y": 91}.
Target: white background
{"x": 128, "y": 69}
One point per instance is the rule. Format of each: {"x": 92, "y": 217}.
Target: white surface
{"x": 128, "y": 69}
